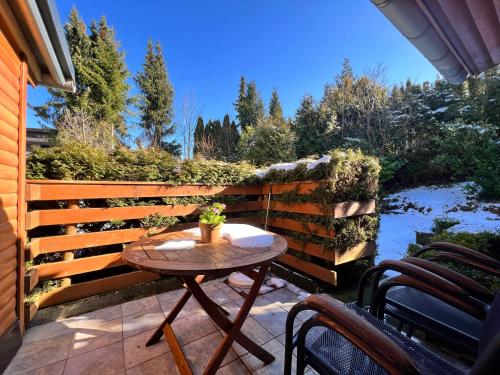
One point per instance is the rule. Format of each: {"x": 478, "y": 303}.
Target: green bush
{"x": 472, "y": 151}
{"x": 82, "y": 162}
{"x": 351, "y": 175}
{"x": 485, "y": 242}
{"x": 440, "y": 224}
{"x": 266, "y": 144}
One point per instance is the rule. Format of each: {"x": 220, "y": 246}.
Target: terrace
{"x": 70, "y": 304}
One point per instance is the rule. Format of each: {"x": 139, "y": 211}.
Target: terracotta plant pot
{"x": 210, "y": 232}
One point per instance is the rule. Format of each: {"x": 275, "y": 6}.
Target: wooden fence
{"x": 42, "y": 195}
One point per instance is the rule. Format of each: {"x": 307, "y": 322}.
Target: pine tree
{"x": 313, "y": 129}
{"x": 156, "y": 98}
{"x": 110, "y": 88}
{"x": 249, "y": 105}
{"x": 199, "y": 135}
{"x": 276, "y": 111}
{"x": 240, "y": 104}
{"x": 254, "y": 105}
{"x": 100, "y": 75}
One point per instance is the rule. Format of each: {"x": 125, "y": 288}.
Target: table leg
{"x": 233, "y": 329}
{"x": 156, "y": 336}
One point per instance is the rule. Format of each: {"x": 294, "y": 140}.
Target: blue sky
{"x": 294, "y": 45}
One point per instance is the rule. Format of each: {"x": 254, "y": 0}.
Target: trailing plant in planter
{"x": 211, "y": 221}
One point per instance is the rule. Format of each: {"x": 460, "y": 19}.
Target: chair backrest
{"x": 489, "y": 344}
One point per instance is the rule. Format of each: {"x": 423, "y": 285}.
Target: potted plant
{"x": 211, "y": 221}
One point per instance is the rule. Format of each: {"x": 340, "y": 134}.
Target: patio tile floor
{"x": 112, "y": 340}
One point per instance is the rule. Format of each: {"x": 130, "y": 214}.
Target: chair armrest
{"x": 460, "y": 250}
{"x": 405, "y": 269}
{"x": 454, "y": 296}
{"x": 469, "y": 285}
{"x": 473, "y": 263}
{"x": 334, "y": 315}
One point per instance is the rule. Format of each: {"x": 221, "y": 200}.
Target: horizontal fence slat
{"x": 301, "y": 187}
{"x": 90, "y": 288}
{"x": 70, "y": 190}
{"x": 90, "y": 215}
{"x": 336, "y": 210}
{"x": 78, "y": 266}
{"x": 328, "y": 276}
{"x": 44, "y": 245}
{"x": 358, "y": 251}
{"x": 300, "y": 226}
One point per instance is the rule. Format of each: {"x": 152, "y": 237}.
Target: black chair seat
{"x": 330, "y": 353}
{"x": 433, "y": 316}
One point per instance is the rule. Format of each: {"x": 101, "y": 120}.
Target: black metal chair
{"x": 426, "y": 313}
{"x": 345, "y": 339}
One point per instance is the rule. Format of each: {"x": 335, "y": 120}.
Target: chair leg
{"x": 301, "y": 363}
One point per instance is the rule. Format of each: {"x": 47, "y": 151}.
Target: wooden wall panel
{"x": 11, "y": 81}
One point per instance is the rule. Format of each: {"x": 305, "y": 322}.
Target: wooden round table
{"x": 191, "y": 266}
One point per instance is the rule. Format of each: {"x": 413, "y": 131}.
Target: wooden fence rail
{"x": 76, "y": 192}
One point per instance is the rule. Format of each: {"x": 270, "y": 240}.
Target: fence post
{"x": 70, "y": 229}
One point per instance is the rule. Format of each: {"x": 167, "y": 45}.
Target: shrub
{"x": 157, "y": 220}
{"x": 352, "y": 175}
{"x": 82, "y": 162}
{"x": 472, "y": 151}
{"x": 440, "y": 224}
{"x": 485, "y": 242}
{"x": 265, "y": 144}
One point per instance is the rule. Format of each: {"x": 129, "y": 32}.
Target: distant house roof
{"x": 37, "y": 31}
{"x": 458, "y": 37}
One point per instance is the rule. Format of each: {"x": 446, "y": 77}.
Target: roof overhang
{"x": 458, "y": 37}
{"x": 38, "y": 33}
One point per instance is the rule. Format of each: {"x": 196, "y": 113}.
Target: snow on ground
{"x": 415, "y": 209}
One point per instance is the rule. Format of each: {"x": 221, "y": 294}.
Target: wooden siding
{"x": 13, "y": 79}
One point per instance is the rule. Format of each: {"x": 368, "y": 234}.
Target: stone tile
{"x": 256, "y": 367}
{"x": 283, "y": 297}
{"x": 261, "y": 304}
{"x": 136, "y": 351}
{"x": 140, "y": 322}
{"x": 192, "y": 328}
{"x": 64, "y": 327}
{"x": 92, "y": 334}
{"x": 54, "y": 369}
{"x": 231, "y": 293}
{"x": 236, "y": 367}
{"x": 40, "y": 354}
{"x": 218, "y": 296}
{"x": 140, "y": 305}
{"x": 199, "y": 352}
{"x": 167, "y": 300}
{"x": 190, "y": 308}
{"x": 105, "y": 360}
{"x": 108, "y": 313}
{"x": 272, "y": 317}
{"x": 161, "y": 365}
{"x": 255, "y": 332}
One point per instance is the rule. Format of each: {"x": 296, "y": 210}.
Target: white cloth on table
{"x": 241, "y": 235}
{"x": 244, "y": 235}
{"x": 176, "y": 245}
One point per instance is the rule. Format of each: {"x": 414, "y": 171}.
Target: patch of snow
{"x": 314, "y": 164}
{"x": 423, "y": 205}
{"x": 440, "y": 110}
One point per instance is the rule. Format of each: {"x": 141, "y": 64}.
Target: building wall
{"x": 13, "y": 80}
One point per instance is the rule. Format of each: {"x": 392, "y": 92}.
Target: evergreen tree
{"x": 313, "y": 129}
{"x": 156, "y": 98}
{"x": 249, "y": 105}
{"x": 276, "y": 111}
{"x": 265, "y": 144}
{"x": 240, "y": 104}
{"x": 100, "y": 77}
{"x": 199, "y": 135}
